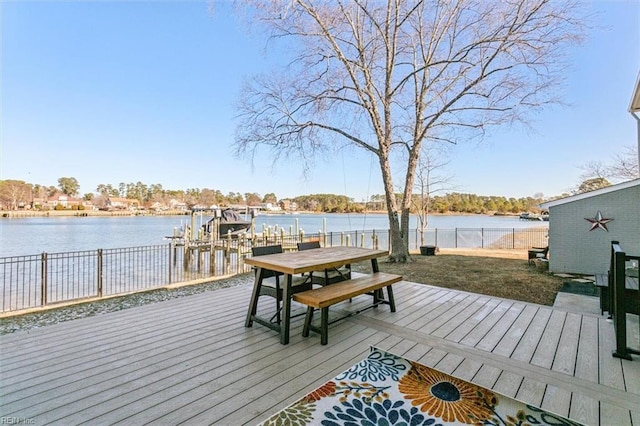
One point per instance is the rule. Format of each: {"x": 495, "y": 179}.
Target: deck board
{"x": 587, "y": 359}
{"x": 192, "y": 360}
{"x": 610, "y": 368}
{"x": 545, "y": 353}
{"x": 500, "y": 328}
{"x": 532, "y": 337}
{"x": 509, "y": 383}
{"x": 585, "y": 409}
{"x": 532, "y": 391}
{"x": 511, "y": 338}
{"x": 556, "y": 400}
{"x": 567, "y": 351}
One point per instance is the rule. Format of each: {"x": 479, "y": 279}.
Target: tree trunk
{"x": 398, "y": 227}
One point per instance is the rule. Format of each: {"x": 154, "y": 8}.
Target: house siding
{"x": 573, "y": 248}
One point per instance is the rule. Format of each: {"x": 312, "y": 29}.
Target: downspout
{"x": 635, "y": 115}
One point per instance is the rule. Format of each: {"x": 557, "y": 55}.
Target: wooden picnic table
{"x": 299, "y": 262}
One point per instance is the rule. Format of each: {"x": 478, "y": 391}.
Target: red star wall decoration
{"x": 598, "y": 222}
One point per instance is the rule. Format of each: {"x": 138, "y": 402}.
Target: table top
{"x": 297, "y": 262}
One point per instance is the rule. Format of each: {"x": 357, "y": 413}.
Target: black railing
{"x": 624, "y": 298}
{"x": 50, "y": 278}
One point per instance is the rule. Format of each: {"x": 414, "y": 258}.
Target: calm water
{"x": 26, "y": 236}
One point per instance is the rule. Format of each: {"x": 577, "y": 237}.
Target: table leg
{"x": 374, "y": 265}
{"x": 377, "y": 293}
{"x": 253, "y": 304}
{"x": 286, "y": 310}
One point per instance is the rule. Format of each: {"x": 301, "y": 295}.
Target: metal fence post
{"x": 43, "y": 280}
{"x": 99, "y": 273}
{"x": 172, "y": 260}
{"x": 388, "y": 240}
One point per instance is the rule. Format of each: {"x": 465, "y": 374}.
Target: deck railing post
{"x": 100, "y": 272}
{"x": 43, "y": 279}
{"x": 619, "y": 311}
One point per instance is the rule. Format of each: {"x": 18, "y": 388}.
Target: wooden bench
{"x": 537, "y": 253}
{"x": 322, "y": 298}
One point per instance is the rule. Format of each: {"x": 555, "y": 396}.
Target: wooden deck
{"x": 191, "y": 360}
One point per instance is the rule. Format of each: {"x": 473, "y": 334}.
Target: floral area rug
{"x": 385, "y": 389}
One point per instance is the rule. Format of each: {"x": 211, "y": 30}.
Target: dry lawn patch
{"x": 500, "y": 273}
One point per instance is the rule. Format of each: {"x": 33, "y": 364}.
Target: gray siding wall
{"x": 573, "y": 248}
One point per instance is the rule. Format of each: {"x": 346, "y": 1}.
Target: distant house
{"x": 61, "y": 199}
{"x": 288, "y": 205}
{"x": 177, "y": 205}
{"x": 581, "y": 227}
{"x": 122, "y": 203}
{"x": 270, "y": 207}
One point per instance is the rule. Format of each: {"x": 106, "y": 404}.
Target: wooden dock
{"x": 191, "y": 360}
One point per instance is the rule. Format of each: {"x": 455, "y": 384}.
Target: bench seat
{"x": 324, "y": 297}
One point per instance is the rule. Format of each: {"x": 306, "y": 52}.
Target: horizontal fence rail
{"x": 50, "y": 278}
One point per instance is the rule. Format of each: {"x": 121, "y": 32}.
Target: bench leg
{"x": 324, "y": 326}
{"x": 377, "y": 296}
{"x": 307, "y": 322}
{"x": 392, "y": 301}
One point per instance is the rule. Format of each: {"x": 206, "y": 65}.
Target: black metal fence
{"x": 49, "y": 278}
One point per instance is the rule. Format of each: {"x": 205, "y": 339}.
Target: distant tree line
{"x": 16, "y": 194}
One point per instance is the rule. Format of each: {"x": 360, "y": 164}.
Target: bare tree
{"x": 14, "y": 193}
{"x": 389, "y": 76}
{"x": 429, "y": 181}
{"x": 624, "y": 165}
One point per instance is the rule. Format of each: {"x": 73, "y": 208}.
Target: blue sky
{"x": 117, "y": 91}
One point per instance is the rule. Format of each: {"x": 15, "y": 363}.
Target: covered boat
{"x": 229, "y": 222}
